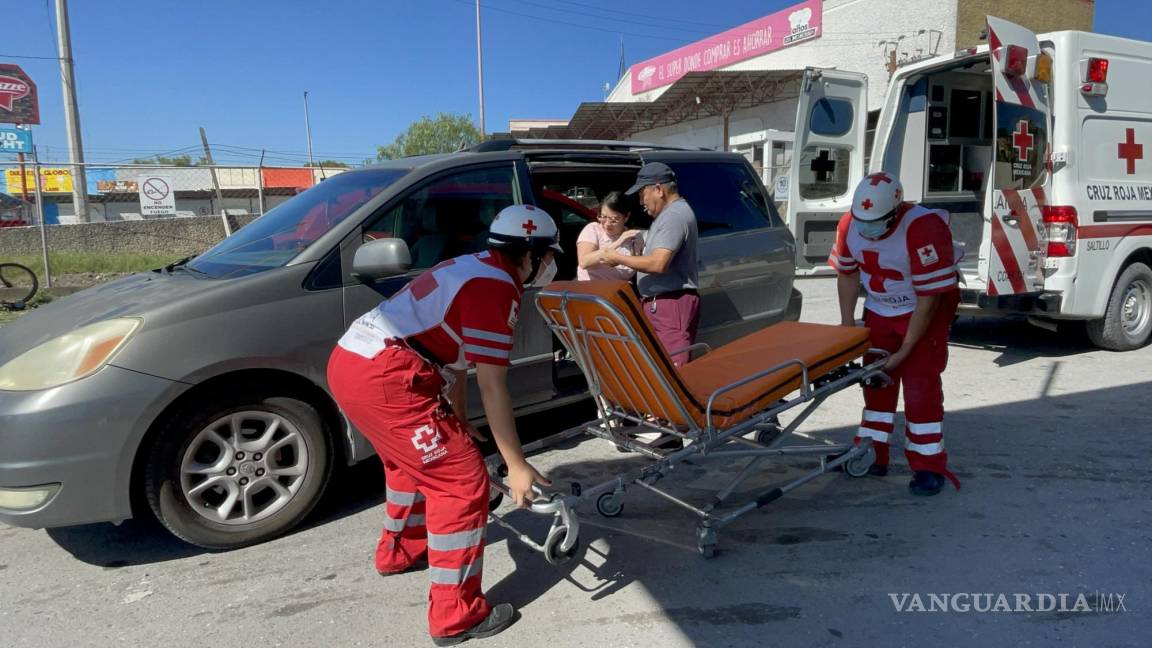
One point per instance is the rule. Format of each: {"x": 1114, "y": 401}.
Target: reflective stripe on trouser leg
{"x": 457, "y": 490}
{"x": 924, "y": 401}
{"x": 403, "y": 540}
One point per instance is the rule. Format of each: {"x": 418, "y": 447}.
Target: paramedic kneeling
{"x": 399, "y": 374}
{"x": 905, "y": 258}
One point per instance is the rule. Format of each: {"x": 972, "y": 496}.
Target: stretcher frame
{"x": 701, "y": 442}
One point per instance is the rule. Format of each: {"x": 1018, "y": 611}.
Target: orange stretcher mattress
{"x": 627, "y": 380}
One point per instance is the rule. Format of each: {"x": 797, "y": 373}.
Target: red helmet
{"x": 876, "y": 196}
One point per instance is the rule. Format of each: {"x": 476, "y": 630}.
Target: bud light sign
{"x": 18, "y": 102}
{"x": 15, "y": 141}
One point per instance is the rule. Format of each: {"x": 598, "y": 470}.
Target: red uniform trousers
{"x": 437, "y": 483}
{"x": 919, "y": 374}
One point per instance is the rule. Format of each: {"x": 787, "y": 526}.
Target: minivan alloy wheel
{"x": 243, "y": 467}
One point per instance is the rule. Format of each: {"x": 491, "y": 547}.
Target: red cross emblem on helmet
{"x": 876, "y": 196}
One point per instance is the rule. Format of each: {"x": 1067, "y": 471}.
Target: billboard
{"x": 790, "y": 26}
{"x": 18, "y": 102}
{"x": 52, "y": 180}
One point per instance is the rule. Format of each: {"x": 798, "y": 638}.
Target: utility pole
{"x": 480, "y": 70}
{"x": 307, "y": 128}
{"x": 215, "y": 181}
{"x": 71, "y": 112}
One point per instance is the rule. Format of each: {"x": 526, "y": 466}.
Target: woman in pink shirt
{"x": 607, "y": 232}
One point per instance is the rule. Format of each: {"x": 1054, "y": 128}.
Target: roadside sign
{"x": 52, "y": 180}
{"x": 156, "y": 196}
{"x": 14, "y": 140}
{"x": 781, "y": 187}
{"x": 18, "y": 101}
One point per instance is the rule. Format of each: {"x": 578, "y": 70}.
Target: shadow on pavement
{"x": 1017, "y": 340}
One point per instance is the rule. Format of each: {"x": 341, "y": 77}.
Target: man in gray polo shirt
{"x": 666, "y": 273}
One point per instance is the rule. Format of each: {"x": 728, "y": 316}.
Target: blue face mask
{"x": 872, "y": 229}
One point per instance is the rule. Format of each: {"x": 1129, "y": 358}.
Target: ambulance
{"x": 1040, "y": 148}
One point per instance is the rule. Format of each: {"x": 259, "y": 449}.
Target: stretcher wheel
{"x": 859, "y": 465}
{"x": 766, "y": 435}
{"x": 495, "y": 499}
{"x": 552, "y": 552}
{"x": 709, "y": 551}
{"x": 609, "y": 505}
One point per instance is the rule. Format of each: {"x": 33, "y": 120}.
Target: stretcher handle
{"x": 804, "y": 388}
{"x": 544, "y": 503}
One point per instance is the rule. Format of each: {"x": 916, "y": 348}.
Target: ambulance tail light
{"x": 1060, "y": 221}
{"x": 1015, "y": 61}
{"x": 1096, "y": 83}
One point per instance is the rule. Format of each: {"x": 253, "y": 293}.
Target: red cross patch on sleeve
{"x": 928, "y": 254}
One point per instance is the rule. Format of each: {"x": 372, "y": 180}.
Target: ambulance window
{"x": 831, "y": 117}
{"x": 964, "y": 117}
{"x": 824, "y": 172}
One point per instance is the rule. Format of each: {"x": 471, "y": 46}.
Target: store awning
{"x": 698, "y": 95}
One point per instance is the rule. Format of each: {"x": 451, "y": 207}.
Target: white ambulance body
{"x": 1041, "y": 151}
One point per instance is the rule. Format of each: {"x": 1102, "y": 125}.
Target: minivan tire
{"x": 236, "y": 468}
{"x": 1127, "y": 320}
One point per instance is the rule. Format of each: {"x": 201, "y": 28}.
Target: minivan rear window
{"x": 726, "y": 197}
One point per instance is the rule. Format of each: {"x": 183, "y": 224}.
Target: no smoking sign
{"x": 156, "y": 197}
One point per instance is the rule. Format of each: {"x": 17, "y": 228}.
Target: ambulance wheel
{"x": 609, "y": 505}
{"x": 858, "y": 466}
{"x": 237, "y": 467}
{"x": 1127, "y": 320}
{"x": 552, "y": 552}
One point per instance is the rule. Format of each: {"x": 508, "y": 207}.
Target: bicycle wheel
{"x": 18, "y": 284}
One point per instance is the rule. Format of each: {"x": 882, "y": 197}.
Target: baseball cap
{"x": 650, "y": 174}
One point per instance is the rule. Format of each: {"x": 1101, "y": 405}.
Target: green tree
{"x": 179, "y": 161}
{"x": 444, "y": 133}
{"x": 329, "y": 164}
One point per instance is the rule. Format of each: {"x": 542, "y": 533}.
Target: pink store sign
{"x": 787, "y": 27}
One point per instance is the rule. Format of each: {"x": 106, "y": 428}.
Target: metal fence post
{"x": 40, "y": 214}
{"x": 260, "y": 181}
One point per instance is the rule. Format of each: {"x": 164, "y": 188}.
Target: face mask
{"x": 872, "y": 229}
{"x": 544, "y": 275}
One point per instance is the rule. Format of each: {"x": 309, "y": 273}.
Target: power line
{"x": 38, "y": 58}
{"x": 612, "y": 18}
{"x": 554, "y": 22}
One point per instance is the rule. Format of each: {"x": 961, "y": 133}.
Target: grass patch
{"x": 41, "y": 298}
{"x": 63, "y": 263}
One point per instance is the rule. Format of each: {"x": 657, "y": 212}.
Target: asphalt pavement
{"x": 1049, "y": 437}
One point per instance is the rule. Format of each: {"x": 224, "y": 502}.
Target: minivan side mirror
{"x": 381, "y": 258}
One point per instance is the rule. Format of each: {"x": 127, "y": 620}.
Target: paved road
{"x": 1049, "y": 437}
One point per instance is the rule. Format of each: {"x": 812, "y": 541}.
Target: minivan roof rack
{"x": 604, "y": 145}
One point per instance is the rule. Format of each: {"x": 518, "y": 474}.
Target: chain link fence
{"x": 134, "y": 211}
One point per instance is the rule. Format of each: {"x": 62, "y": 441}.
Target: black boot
{"x": 498, "y": 620}
{"x": 926, "y": 483}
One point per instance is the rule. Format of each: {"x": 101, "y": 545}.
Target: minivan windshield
{"x": 275, "y": 238}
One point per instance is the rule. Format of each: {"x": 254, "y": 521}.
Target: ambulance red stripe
{"x": 1007, "y": 258}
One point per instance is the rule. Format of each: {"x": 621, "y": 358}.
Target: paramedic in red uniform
{"x": 399, "y": 374}
{"x": 904, "y": 256}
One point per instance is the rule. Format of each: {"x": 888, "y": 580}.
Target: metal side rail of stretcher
{"x": 708, "y": 443}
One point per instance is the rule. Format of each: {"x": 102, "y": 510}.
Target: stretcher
{"x": 723, "y": 405}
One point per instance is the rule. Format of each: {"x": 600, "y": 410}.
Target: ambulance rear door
{"x": 827, "y": 160}
{"x": 1015, "y": 241}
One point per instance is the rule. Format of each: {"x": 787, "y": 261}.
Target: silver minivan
{"x": 198, "y": 391}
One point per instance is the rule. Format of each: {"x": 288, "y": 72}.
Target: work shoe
{"x": 501, "y": 616}
{"x": 926, "y": 483}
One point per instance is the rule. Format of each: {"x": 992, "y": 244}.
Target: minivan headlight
{"x": 70, "y": 357}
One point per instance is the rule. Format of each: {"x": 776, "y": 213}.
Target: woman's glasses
{"x": 610, "y": 219}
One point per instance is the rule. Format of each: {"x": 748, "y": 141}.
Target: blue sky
{"x": 150, "y": 73}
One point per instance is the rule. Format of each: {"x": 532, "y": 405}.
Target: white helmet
{"x": 876, "y": 196}
{"x": 524, "y": 225}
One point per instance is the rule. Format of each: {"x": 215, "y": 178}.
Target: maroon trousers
{"x": 675, "y": 318}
